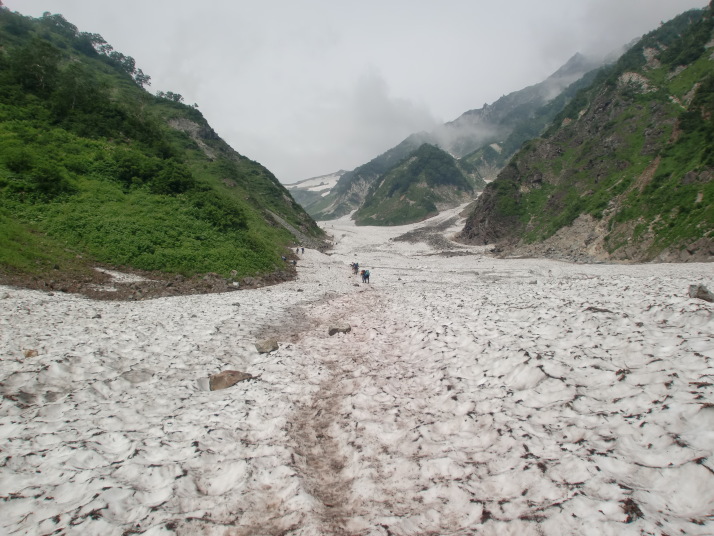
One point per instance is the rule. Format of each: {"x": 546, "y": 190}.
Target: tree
{"x": 58, "y": 24}
{"x": 15, "y": 23}
{"x": 170, "y": 95}
{"x": 89, "y": 43}
{"x": 36, "y": 66}
{"x": 125, "y": 63}
{"x": 76, "y": 90}
{"x": 142, "y": 79}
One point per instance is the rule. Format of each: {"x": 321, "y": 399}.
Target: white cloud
{"x": 309, "y": 87}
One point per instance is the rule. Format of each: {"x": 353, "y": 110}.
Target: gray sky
{"x": 313, "y": 86}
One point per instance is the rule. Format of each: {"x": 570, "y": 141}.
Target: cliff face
{"x": 351, "y": 190}
{"x": 625, "y": 173}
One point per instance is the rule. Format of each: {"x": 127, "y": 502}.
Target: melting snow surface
{"x": 472, "y": 396}
{"x": 317, "y": 184}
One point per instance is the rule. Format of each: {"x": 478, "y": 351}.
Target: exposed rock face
{"x": 227, "y": 378}
{"x": 198, "y": 134}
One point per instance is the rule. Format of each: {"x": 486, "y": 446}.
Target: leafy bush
{"x": 219, "y": 211}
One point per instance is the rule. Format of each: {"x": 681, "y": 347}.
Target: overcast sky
{"x": 308, "y": 87}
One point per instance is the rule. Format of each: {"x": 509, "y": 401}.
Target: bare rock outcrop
{"x": 227, "y": 378}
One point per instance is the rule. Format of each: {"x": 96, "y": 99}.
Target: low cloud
{"x": 342, "y": 129}
{"x": 307, "y": 88}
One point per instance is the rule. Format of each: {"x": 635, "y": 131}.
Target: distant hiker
{"x": 303, "y": 250}
{"x": 365, "y": 278}
{"x": 355, "y": 268}
{"x": 362, "y": 274}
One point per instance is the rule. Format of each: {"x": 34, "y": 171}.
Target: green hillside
{"x": 413, "y": 189}
{"x": 630, "y": 157}
{"x": 95, "y": 169}
{"x": 483, "y": 139}
{"x": 350, "y": 191}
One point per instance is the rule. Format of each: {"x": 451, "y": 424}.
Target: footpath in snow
{"x": 471, "y": 396}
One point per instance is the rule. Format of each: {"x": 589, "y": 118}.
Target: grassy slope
{"x": 107, "y": 180}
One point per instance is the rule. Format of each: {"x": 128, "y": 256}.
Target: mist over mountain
{"x": 626, "y": 170}
{"x": 493, "y": 123}
{"x": 483, "y": 139}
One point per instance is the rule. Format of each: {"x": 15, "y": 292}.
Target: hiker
{"x": 355, "y": 268}
{"x": 365, "y": 278}
{"x": 362, "y": 274}
{"x": 303, "y": 250}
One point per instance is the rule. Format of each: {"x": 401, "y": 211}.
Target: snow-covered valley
{"x": 472, "y": 396}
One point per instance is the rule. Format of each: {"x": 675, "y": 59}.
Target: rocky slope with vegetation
{"x": 94, "y": 169}
{"x": 309, "y": 192}
{"x": 483, "y": 139}
{"x": 625, "y": 172}
{"x": 351, "y": 190}
{"x": 417, "y": 188}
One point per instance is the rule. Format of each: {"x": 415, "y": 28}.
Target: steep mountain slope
{"x": 486, "y": 138}
{"x": 310, "y": 191}
{"x": 93, "y": 168}
{"x": 352, "y": 188}
{"x": 626, "y": 171}
{"x": 495, "y": 123}
{"x": 415, "y": 189}
{"x": 526, "y": 122}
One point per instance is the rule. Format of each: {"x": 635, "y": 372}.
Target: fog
{"x": 312, "y": 87}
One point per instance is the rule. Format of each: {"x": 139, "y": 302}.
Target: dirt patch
{"x": 100, "y": 285}
{"x": 321, "y": 461}
{"x": 433, "y": 235}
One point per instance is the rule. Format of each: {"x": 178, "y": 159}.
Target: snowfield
{"x": 322, "y": 184}
{"x": 472, "y": 396}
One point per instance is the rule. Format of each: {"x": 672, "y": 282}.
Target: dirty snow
{"x": 472, "y": 396}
